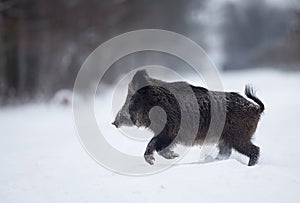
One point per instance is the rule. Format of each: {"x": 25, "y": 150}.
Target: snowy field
{"x": 42, "y": 159}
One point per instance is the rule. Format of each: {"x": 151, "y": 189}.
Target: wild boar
{"x": 241, "y": 119}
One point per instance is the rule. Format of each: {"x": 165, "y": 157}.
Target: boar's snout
{"x": 115, "y": 123}
{"x": 122, "y": 119}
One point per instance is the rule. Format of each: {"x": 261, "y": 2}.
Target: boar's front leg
{"x": 168, "y": 154}
{"x": 160, "y": 144}
{"x": 151, "y": 147}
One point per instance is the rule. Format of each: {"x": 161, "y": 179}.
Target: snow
{"x": 42, "y": 159}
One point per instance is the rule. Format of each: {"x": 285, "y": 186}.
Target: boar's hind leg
{"x": 249, "y": 150}
{"x": 160, "y": 144}
{"x": 224, "y": 150}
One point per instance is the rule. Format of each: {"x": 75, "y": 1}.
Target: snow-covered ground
{"x": 42, "y": 159}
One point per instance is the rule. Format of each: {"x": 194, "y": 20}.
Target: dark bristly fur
{"x": 144, "y": 93}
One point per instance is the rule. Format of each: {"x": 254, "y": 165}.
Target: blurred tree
{"x": 10, "y": 22}
{"x": 283, "y": 53}
{"x": 250, "y": 28}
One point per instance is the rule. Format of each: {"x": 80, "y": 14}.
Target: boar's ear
{"x": 140, "y": 79}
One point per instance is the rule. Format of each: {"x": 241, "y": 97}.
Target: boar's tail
{"x": 249, "y": 92}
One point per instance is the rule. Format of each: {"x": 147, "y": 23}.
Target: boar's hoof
{"x": 253, "y": 161}
{"x": 168, "y": 154}
{"x": 149, "y": 158}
